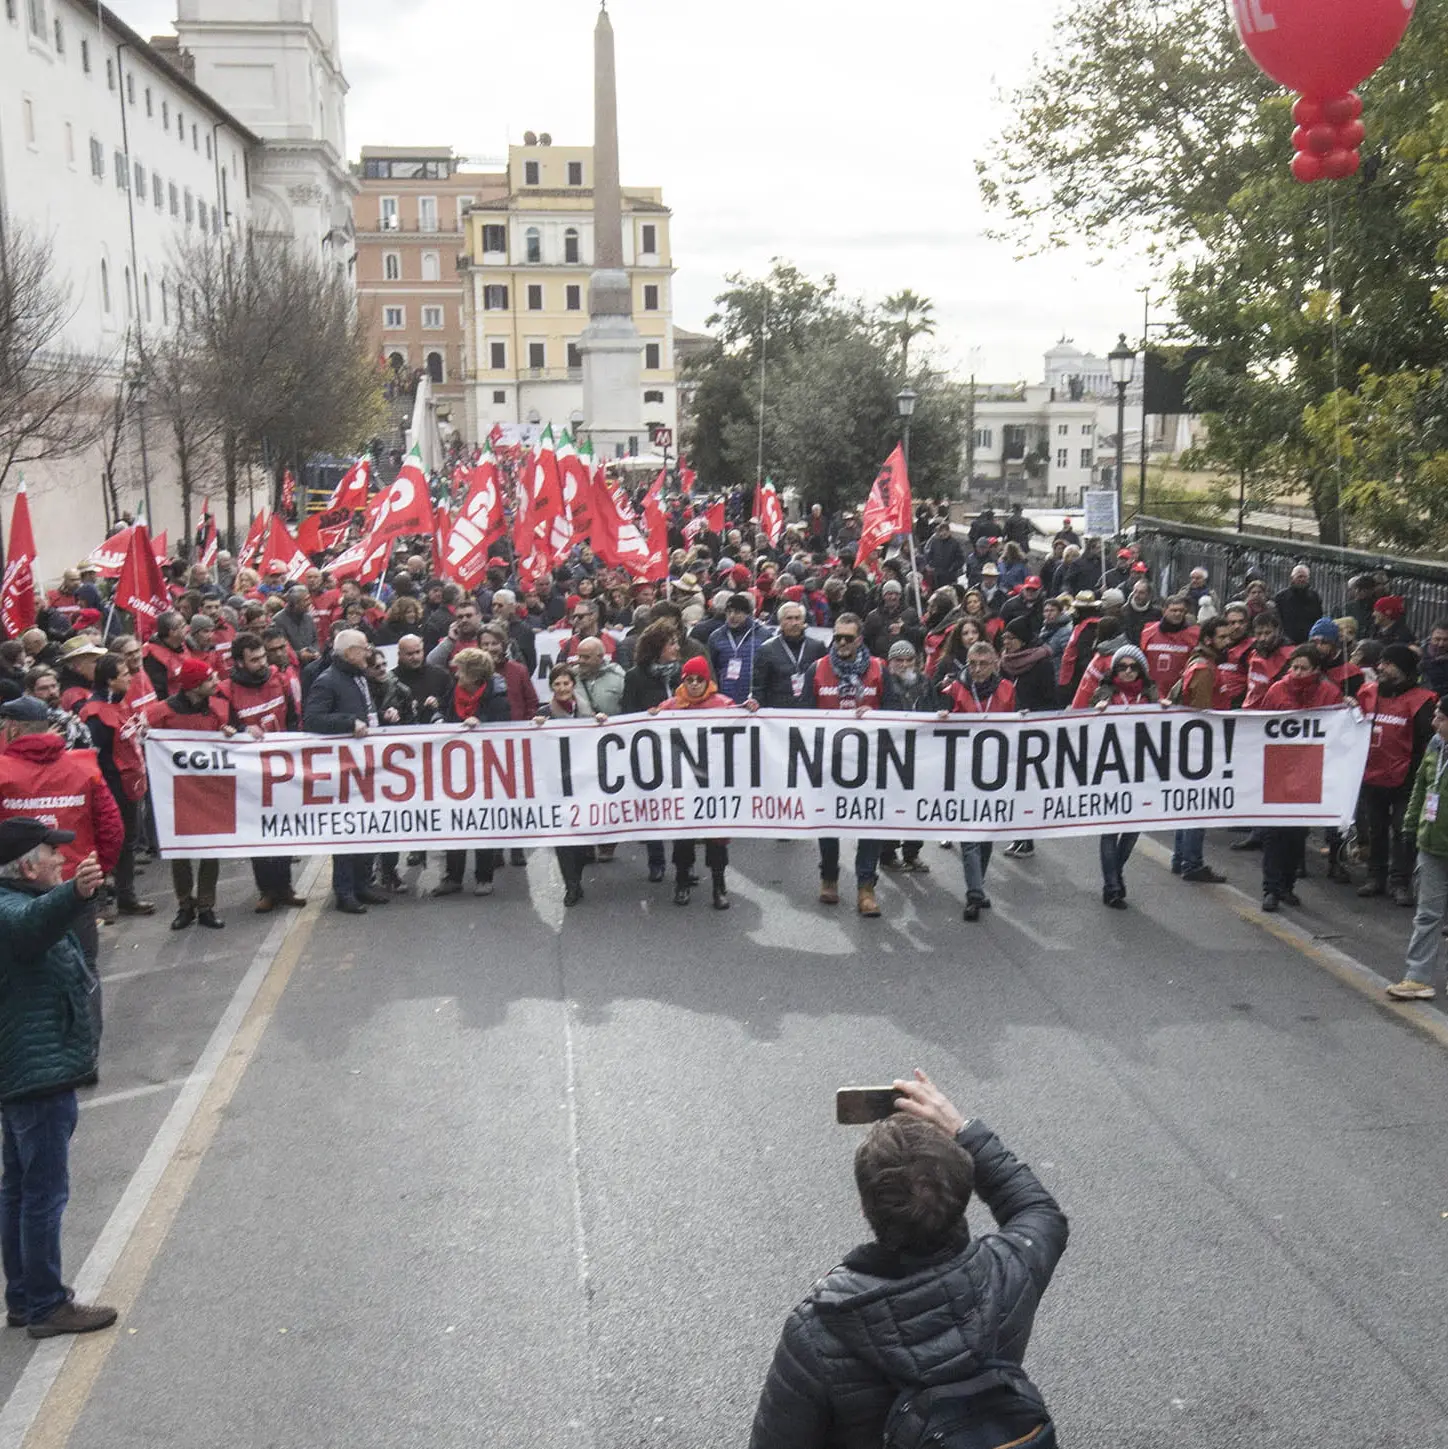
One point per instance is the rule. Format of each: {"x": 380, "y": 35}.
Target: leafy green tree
{"x": 830, "y": 369}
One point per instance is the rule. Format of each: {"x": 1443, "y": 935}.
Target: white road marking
{"x": 131, "y": 1093}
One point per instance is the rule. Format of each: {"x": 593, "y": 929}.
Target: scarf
{"x": 849, "y": 672}
{"x": 683, "y": 699}
{"x": 1022, "y": 661}
{"x": 468, "y": 702}
{"x": 667, "y": 674}
{"x": 982, "y": 693}
{"x": 1302, "y": 689}
{"x": 1131, "y": 689}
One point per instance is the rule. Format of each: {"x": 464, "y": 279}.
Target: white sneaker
{"x": 1412, "y": 991}
{"x": 483, "y": 888}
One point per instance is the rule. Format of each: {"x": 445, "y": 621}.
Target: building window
{"x": 495, "y": 238}
{"x": 110, "y": 74}
{"x": 499, "y": 398}
{"x": 189, "y": 205}
{"x": 391, "y": 267}
{"x": 387, "y": 213}
{"x": 195, "y": 137}
{"x": 533, "y": 245}
{"x": 431, "y": 267}
{"x": 105, "y": 286}
{"x": 498, "y": 356}
{"x": 651, "y": 298}
{"x": 146, "y": 294}
{"x": 201, "y": 213}
{"x": 1063, "y": 430}
{"x": 463, "y": 202}
{"x": 434, "y": 366}
{"x": 495, "y": 298}
{"x": 37, "y": 17}
{"x": 141, "y": 182}
{"x": 69, "y": 144}
{"x": 123, "y": 172}
{"x": 394, "y": 317}
{"x": 985, "y": 437}
{"x": 530, "y": 173}
{"x": 535, "y": 298}
{"x": 649, "y": 243}
{"x": 575, "y": 173}
{"x": 574, "y": 297}
{"x": 59, "y": 39}
{"x": 537, "y": 356}
{"x": 165, "y": 115}
{"x": 427, "y": 213}
{"x": 175, "y": 198}
{"x": 98, "y": 159}
{"x": 150, "y": 104}
{"x": 208, "y": 145}
{"x": 432, "y": 317}
{"x": 651, "y": 356}
{"x": 397, "y": 362}
{"x": 85, "y": 56}
{"x": 127, "y": 276}
{"x": 1087, "y": 429}
{"x": 1062, "y": 457}
{"x": 654, "y": 395}
{"x": 27, "y": 111}
{"x": 181, "y": 127}
{"x": 158, "y": 192}
{"x": 1085, "y": 457}
{"x": 570, "y": 245}
{"x": 575, "y": 358}
{"x": 131, "y": 87}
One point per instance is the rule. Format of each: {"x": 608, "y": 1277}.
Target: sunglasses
{"x": 846, "y": 638}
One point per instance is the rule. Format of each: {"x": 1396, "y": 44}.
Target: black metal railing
{"x": 1174, "y": 549}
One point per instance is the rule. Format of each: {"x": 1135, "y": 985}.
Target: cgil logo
{"x": 216, "y": 759}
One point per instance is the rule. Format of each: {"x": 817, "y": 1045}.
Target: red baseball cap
{"x": 1031, "y": 582}
{"x": 1123, "y": 553}
{"x": 1139, "y": 568}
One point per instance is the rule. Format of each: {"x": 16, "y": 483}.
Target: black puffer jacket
{"x": 882, "y": 1321}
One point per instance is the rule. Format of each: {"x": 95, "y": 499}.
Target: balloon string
{"x": 1332, "y": 326}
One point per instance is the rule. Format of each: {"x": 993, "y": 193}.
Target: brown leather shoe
{"x": 73, "y": 1318}
{"x": 265, "y": 905}
{"x": 867, "y": 905}
{"x": 829, "y": 892}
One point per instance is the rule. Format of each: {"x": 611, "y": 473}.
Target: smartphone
{"x": 855, "y": 1106}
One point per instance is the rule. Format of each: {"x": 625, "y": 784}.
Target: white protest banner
{"x": 1100, "y": 508}
{"x": 772, "y": 776}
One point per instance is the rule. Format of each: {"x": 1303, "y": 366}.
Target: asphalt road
{"x": 499, "y": 1174}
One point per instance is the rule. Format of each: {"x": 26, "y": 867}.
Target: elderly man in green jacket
{"x": 48, "y": 1045}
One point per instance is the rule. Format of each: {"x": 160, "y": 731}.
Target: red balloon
{"x": 1351, "y": 135}
{"x": 1338, "y": 164}
{"x": 1306, "y": 111}
{"x": 1321, "y": 47}
{"x": 1342, "y": 109}
{"x": 1299, "y": 139}
{"x": 1322, "y": 139}
{"x": 1307, "y": 167}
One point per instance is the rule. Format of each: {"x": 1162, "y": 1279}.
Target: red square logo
{"x": 1292, "y": 774}
{"x": 204, "y": 804}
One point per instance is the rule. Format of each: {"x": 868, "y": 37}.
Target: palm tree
{"x": 910, "y": 316}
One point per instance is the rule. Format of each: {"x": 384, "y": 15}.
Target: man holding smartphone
{"x": 924, "y": 1304}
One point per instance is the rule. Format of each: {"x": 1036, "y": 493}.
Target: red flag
{"x": 351, "y": 492}
{"x": 478, "y": 526}
{"x": 686, "y": 477}
{"x": 617, "y": 538}
{"x": 364, "y": 561}
{"x": 550, "y": 526}
{"x": 289, "y": 492}
{"x": 255, "y": 537}
{"x": 403, "y": 510}
{"x": 768, "y": 512}
{"x": 441, "y": 527}
{"x": 888, "y": 510}
{"x": 160, "y": 548}
{"x": 141, "y": 590}
{"x": 309, "y": 535}
{"x": 210, "y": 546}
{"x": 108, "y": 557}
{"x": 282, "y": 548}
{"x": 17, "y": 592}
{"x": 656, "y": 531}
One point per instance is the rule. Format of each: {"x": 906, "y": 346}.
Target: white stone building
{"x": 113, "y": 154}
{"x": 1030, "y": 442}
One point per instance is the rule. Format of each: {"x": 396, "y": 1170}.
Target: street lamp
{"x": 905, "y": 401}
{"x": 139, "y": 395}
{"x": 1122, "y": 361}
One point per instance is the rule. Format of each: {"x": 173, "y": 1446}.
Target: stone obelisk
{"x": 611, "y": 345}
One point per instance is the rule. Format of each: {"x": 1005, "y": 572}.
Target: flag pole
{"x": 915, "y": 572}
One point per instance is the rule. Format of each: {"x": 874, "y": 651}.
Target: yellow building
{"x": 527, "y": 260}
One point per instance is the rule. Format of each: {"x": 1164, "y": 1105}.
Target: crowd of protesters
{"x": 996, "y": 618}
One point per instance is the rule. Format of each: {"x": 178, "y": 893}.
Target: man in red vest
{"x": 1401, "y": 711}
{"x": 1168, "y": 644}
{"x": 41, "y": 779}
{"x": 164, "y": 653}
{"x": 847, "y": 678}
{"x": 259, "y": 702}
{"x": 193, "y": 706}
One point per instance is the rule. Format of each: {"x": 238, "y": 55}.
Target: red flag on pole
{"x": 686, "y": 477}
{"x": 210, "y": 544}
{"x": 108, "y": 557}
{"x": 768, "y": 512}
{"x": 351, "y": 492}
{"x": 656, "y": 531}
{"x": 888, "y": 511}
{"x": 617, "y": 538}
{"x": 441, "y": 528}
{"x": 364, "y": 561}
{"x": 160, "y": 548}
{"x": 478, "y": 525}
{"x": 17, "y": 592}
{"x": 403, "y": 510}
{"x": 255, "y": 537}
{"x": 140, "y": 589}
{"x": 282, "y": 548}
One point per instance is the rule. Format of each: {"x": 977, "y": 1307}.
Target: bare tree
{"x": 50, "y": 399}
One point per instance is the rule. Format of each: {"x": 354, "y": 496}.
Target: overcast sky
{"x": 839, "y": 136}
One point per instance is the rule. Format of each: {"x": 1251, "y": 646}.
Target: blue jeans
{"x": 867, "y": 860}
{"x": 975, "y": 859}
{"x": 1115, "y": 852}
{"x": 33, "y": 1194}
{"x": 350, "y": 874}
{"x": 1186, "y": 850}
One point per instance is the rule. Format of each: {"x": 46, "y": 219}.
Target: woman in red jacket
{"x": 1284, "y": 847}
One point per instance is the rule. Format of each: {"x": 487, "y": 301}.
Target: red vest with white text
{"x": 263, "y": 705}
{"x": 170, "y": 659}
{"x": 59, "y": 793}
{"x": 868, "y": 693}
{"x": 214, "y": 717}
{"x": 963, "y": 701}
{"x": 1229, "y": 688}
{"x": 1167, "y": 653}
{"x": 1263, "y": 671}
{"x": 125, "y": 724}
